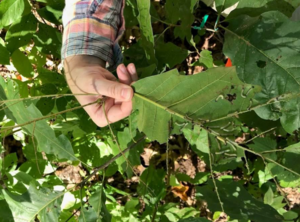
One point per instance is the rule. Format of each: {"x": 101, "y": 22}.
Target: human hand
{"x": 86, "y": 74}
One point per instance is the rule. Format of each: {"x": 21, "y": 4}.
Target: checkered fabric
{"x": 93, "y": 27}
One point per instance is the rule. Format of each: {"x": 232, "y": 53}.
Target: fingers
{"x": 132, "y": 70}
{"x": 114, "y": 112}
{"x": 116, "y": 90}
{"x": 127, "y": 75}
{"x": 124, "y": 75}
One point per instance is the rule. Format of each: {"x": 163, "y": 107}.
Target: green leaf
{"x": 48, "y": 40}
{"x": 4, "y": 53}
{"x": 164, "y": 51}
{"x": 256, "y": 8}
{"x": 221, "y": 5}
{"x": 147, "y": 39}
{"x": 265, "y": 51}
{"x": 21, "y": 32}
{"x": 97, "y": 210}
{"x": 197, "y": 137}
{"x": 43, "y": 202}
{"x": 205, "y": 59}
{"x": 269, "y": 197}
{"x": 176, "y": 11}
{"x": 45, "y": 105}
{"x": 264, "y": 144}
{"x": 11, "y": 10}
{"x": 152, "y": 185}
{"x": 192, "y": 219}
{"x": 237, "y": 202}
{"x": 51, "y": 14}
{"x": 56, "y": 4}
{"x": 18, "y": 181}
{"x": 22, "y": 64}
{"x": 175, "y": 97}
{"x": 130, "y": 14}
{"x": 45, "y": 136}
{"x": 173, "y": 213}
{"x": 97, "y": 200}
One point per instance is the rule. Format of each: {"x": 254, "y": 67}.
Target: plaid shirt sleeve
{"x": 93, "y": 27}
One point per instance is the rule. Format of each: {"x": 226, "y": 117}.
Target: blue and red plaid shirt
{"x": 93, "y": 27}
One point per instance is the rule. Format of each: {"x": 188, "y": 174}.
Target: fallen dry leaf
{"x": 180, "y": 191}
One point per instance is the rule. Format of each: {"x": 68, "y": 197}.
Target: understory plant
{"x": 214, "y": 130}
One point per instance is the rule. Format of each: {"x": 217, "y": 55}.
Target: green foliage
{"x": 199, "y": 132}
{"x": 44, "y": 203}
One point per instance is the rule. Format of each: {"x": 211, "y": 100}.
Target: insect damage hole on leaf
{"x": 261, "y": 64}
{"x": 231, "y": 97}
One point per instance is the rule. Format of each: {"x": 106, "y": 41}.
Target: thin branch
{"x": 105, "y": 165}
{"x": 55, "y": 96}
{"x": 48, "y": 116}
{"x": 35, "y": 148}
{"x": 213, "y": 179}
{"x": 259, "y": 135}
{"x": 119, "y": 147}
{"x": 277, "y": 184}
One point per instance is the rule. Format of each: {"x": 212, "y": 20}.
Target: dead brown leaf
{"x": 180, "y": 191}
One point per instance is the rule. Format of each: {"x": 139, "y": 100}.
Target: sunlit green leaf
{"x": 11, "y": 10}
{"x": 267, "y": 55}
{"x": 147, "y": 40}
{"x": 21, "y": 32}
{"x": 170, "y": 95}
{"x": 237, "y": 202}
{"x": 22, "y": 63}
{"x": 42, "y": 202}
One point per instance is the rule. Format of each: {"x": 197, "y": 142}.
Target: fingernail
{"x": 125, "y": 93}
{"x": 123, "y": 68}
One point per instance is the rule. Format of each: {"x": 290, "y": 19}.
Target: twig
{"x": 154, "y": 213}
{"x": 103, "y": 166}
{"x": 35, "y": 148}
{"x": 213, "y": 179}
{"x": 48, "y": 116}
{"x": 258, "y": 135}
{"x": 78, "y": 209}
{"x": 277, "y": 185}
{"x": 119, "y": 147}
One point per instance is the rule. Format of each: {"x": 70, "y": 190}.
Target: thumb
{"x": 113, "y": 89}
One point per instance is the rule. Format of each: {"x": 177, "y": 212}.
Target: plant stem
{"x": 47, "y": 116}
{"x": 103, "y": 166}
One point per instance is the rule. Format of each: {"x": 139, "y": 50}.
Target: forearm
{"x": 76, "y": 61}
